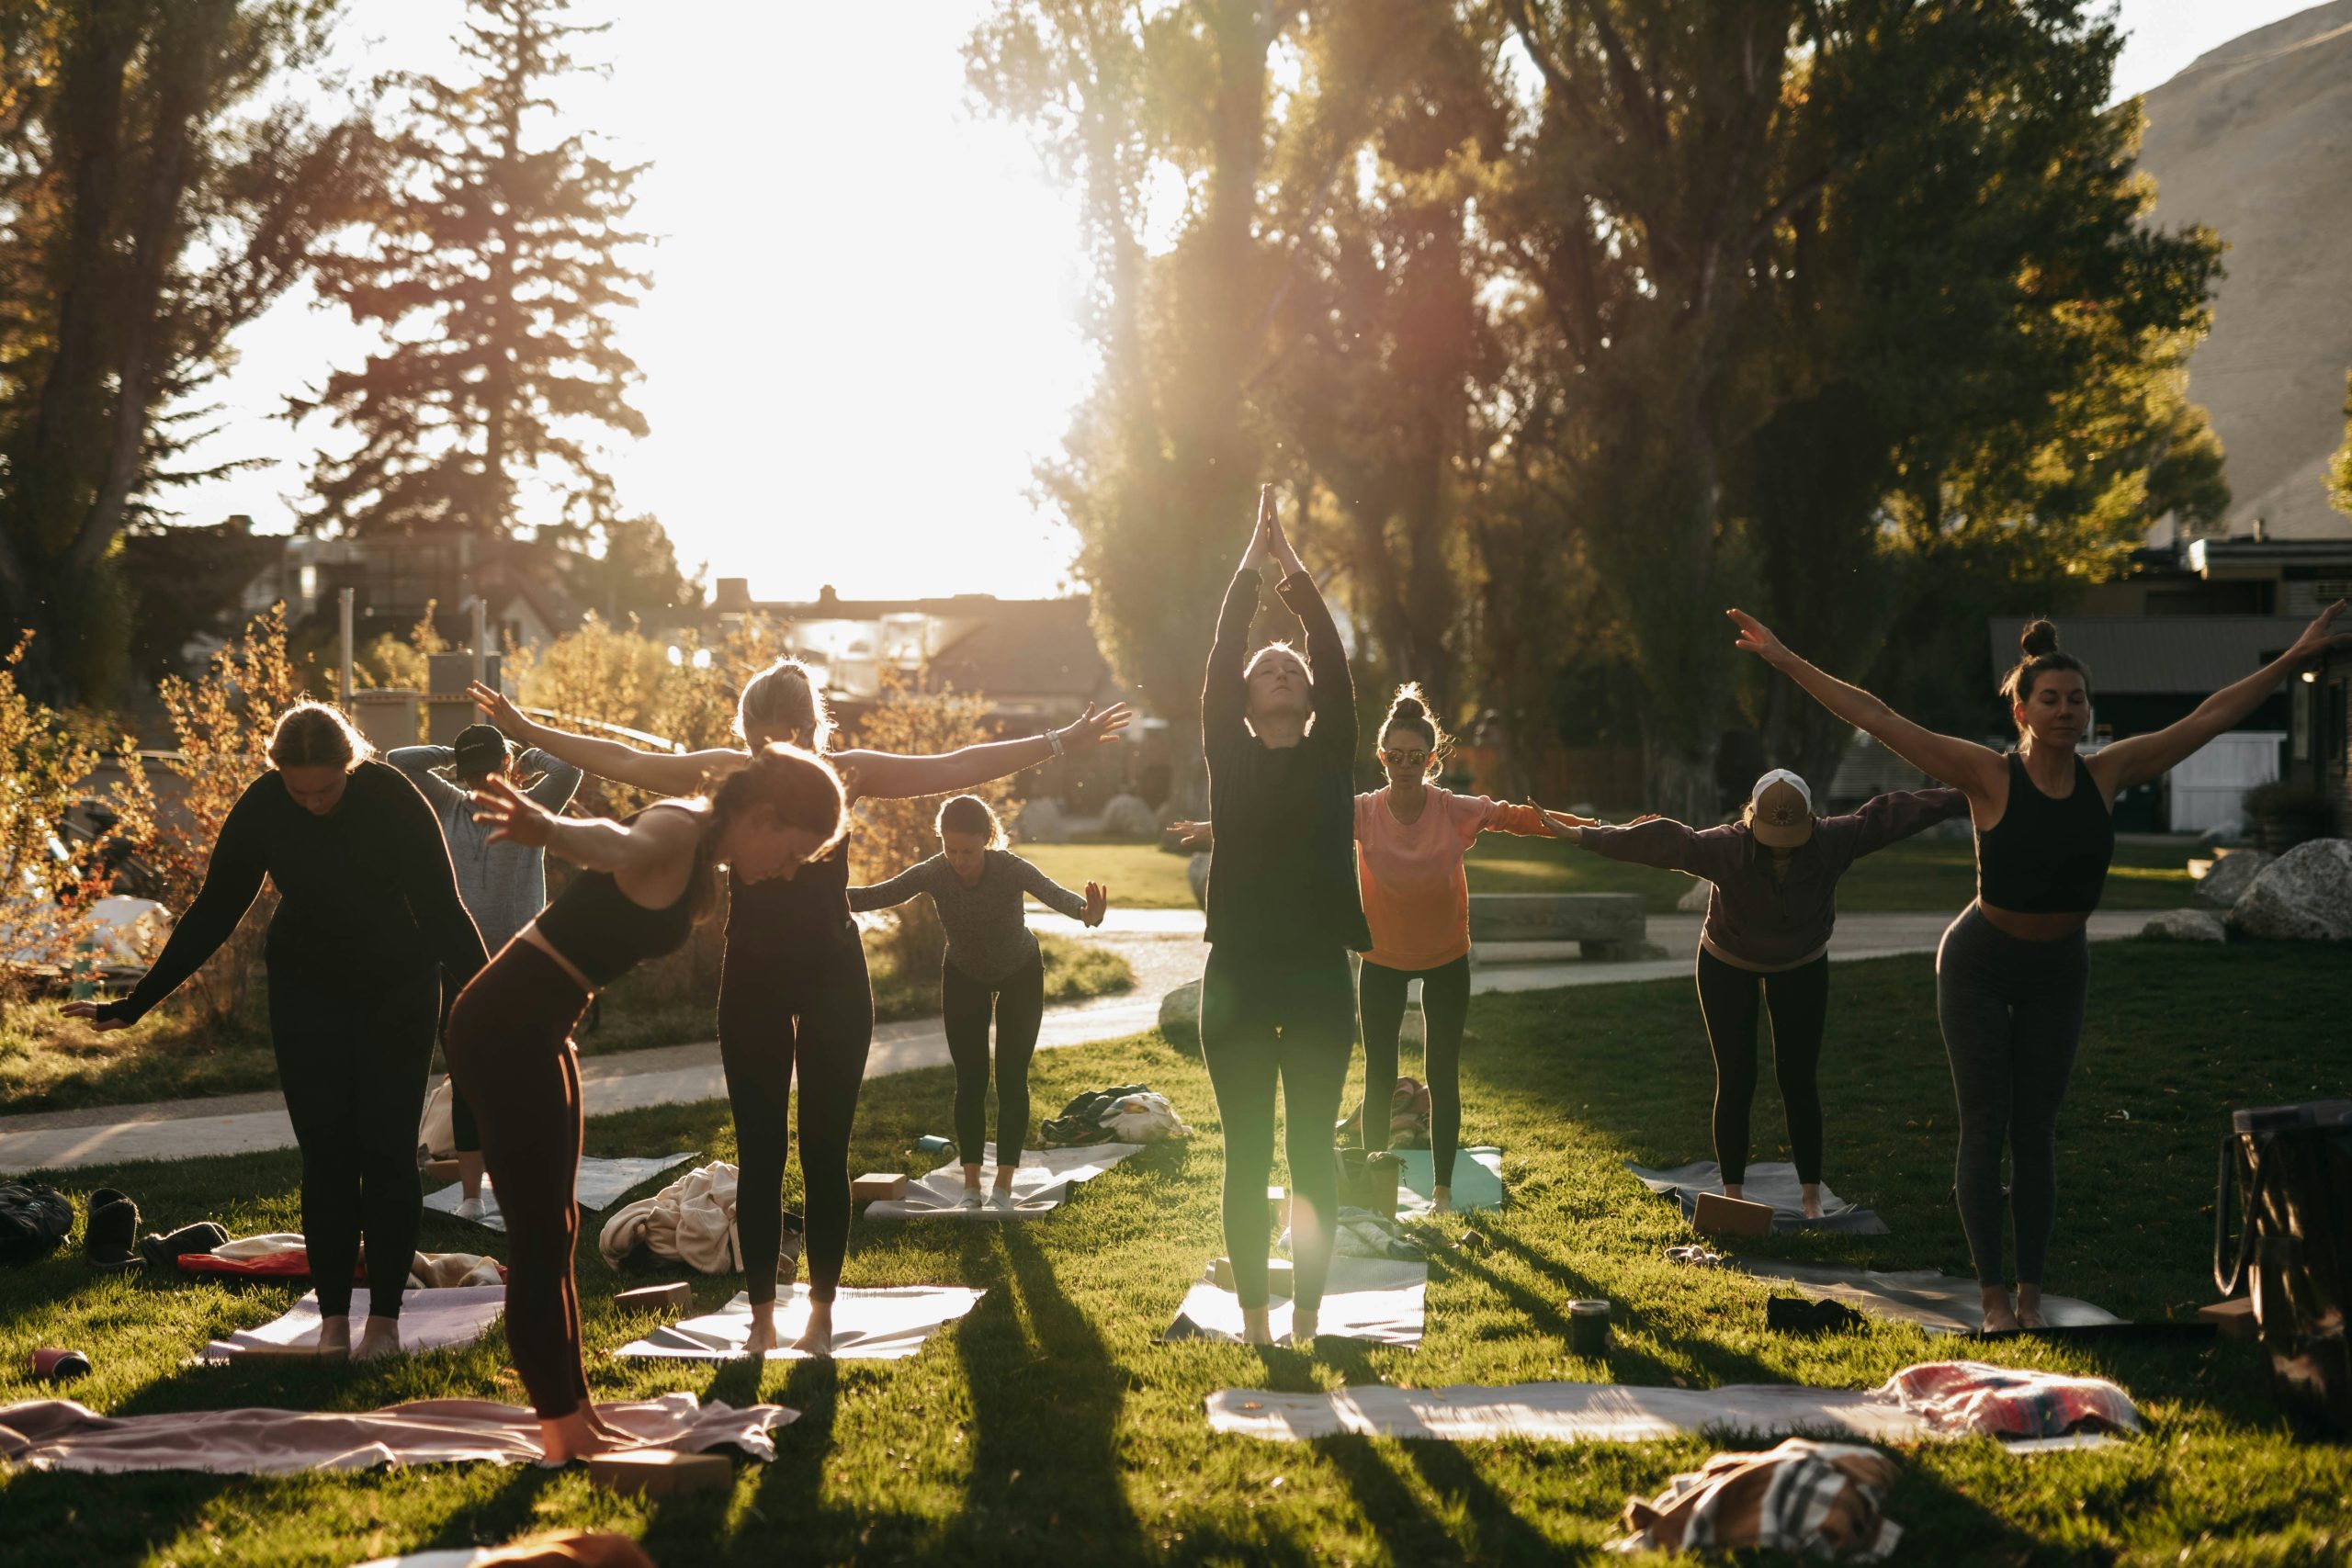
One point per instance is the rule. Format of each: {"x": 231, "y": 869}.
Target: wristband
{"x": 1053, "y": 740}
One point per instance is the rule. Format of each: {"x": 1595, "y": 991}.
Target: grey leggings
{"x": 2012, "y": 1016}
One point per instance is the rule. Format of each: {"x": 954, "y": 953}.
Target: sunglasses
{"x": 1404, "y": 759}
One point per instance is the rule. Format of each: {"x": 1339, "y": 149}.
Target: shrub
{"x": 894, "y": 834}
{"x": 50, "y": 876}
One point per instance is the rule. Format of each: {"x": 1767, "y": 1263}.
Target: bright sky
{"x": 854, "y": 268}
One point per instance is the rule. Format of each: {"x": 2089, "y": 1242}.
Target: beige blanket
{"x": 58, "y": 1433}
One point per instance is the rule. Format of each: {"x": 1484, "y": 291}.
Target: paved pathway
{"x": 1164, "y": 946}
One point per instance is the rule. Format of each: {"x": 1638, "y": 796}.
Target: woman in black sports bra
{"x": 646, "y": 881}
{"x": 2013, "y": 972}
{"x": 792, "y": 993}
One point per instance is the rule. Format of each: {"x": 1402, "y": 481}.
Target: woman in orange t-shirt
{"x": 1410, "y": 837}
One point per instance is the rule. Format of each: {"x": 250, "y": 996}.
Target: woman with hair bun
{"x": 992, "y": 965}
{"x": 645, "y": 882}
{"x": 794, "y": 997}
{"x": 2013, "y": 972}
{"x": 368, "y": 914}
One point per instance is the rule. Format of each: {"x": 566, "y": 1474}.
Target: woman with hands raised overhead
{"x": 2013, "y": 972}
{"x": 794, "y": 997}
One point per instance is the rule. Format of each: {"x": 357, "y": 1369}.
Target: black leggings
{"x": 1446, "y": 1004}
{"x": 1286, "y": 1019}
{"x": 354, "y": 1068}
{"x": 814, "y": 1014}
{"x": 2012, "y": 1017}
{"x": 1799, "y": 1001}
{"x": 509, "y": 1049}
{"x": 465, "y": 1133}
{"x": 1020, "y": 1005}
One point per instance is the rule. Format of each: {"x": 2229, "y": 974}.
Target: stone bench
{"x": 1606, "y": 926}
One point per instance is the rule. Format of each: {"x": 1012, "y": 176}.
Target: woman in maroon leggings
{"x": 645, "y": 882}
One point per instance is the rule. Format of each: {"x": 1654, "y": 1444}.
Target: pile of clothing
{"x": 1408, "y": 1117}
{"x": 692, "y": 1220}
{"x": 35, "y": 1221}
{"x": 1820, "y": 1499}
{"x": 2009, "y": 1402}
{"x": 1130, "y": 1113}
{"x": 1363, "y": 1233}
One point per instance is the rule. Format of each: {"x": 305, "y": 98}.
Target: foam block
{"x": 889, "y": 1186}
{"x": 441, "y": 1170}
{"x": 1371, "y": 1183}
{"x": 2233, "y": 1318}
{"x": 659, "y": 1473}
{"x": 1719, "y": 1215}
{"x": 656, "y": 1298}
{"x": 1278, "y": 1275}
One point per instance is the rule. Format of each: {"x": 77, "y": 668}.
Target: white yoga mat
{"x": 58, "y": 1433}
{"x": 1935, "y": 1301}
{"x": 868, "y": 1326}
{"x": 1564, "y": 1413}
{"x": 430, "y": 1320}
{"x": 1378, "y": 1299}
{"x": 1774, "y": 1184}
{"x": 1041, "y": 1184}
{"x": 1477, "y": 1179}
{"x": 601, "y": 1183}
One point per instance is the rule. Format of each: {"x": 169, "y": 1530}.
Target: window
{"x": 2337, "y": 760}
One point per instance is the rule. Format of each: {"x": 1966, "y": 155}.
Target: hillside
{"x": 2255, "y": 139}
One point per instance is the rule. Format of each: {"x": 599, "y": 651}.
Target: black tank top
{"x": 605, "y": 934}
{"x": 778, "y": 920}
{"x": 2046, "y": 856}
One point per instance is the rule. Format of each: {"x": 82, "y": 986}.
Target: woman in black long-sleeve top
{"x": 367, "y": 908}
{"x": 1277, "y": 998}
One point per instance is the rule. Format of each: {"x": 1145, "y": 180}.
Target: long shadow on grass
{"x": 1045, "y": 1407}
{"x": 791, "y": 1486}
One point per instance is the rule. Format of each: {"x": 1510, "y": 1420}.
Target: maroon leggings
{"x": 510, "y": 1051}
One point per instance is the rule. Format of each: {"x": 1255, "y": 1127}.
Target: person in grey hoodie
{"x": 502, "y": 884}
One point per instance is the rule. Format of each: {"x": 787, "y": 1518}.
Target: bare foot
{"x": 2000, "y": 1317}
{"x": 1735, "y": 1191}
{"x": 1302, "y": 1324}
{"x": 2029, "y": 1307}
{"x": 380, "y": 1338}
{"x": 1253, "y": 1326}
{"x": 335, "y": 1336}
{"x": 568, "y": 1438}
{"x": 1003, "y": 1182}
{"x": 818, "y": 1339}
{"x": 1811, "y": 1199}
{"x": 763, "y": 1338}
{"x": 605, "y": 1429}
{"x": 1441, "y": 1199}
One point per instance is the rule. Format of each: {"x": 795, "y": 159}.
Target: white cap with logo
{"x": 1780, "y": 810}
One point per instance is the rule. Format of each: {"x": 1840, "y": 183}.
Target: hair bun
{"x": 2039, "y": 638}
{"x": 1409, "y": 707}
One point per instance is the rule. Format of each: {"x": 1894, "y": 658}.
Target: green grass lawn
{"x": 49, "y": 1062}
{"x": 1049, "y": 1426}
{"x": 1919, "y": 873}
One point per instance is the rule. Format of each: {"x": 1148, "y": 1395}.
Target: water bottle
{"x": 932, "y": 1144}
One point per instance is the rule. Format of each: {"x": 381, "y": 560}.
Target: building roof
{"x": 2157, "y": 655}
{"x": 1025, "y": 647}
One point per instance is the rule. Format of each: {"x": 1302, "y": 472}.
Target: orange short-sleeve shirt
{"x": 1415, "y": 896}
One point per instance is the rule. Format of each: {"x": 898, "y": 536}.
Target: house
{"x": 1034, "y": 661}
{"x": 2319, "y": 742}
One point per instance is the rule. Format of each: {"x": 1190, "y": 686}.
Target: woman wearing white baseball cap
{"x": 1774, "y": 900}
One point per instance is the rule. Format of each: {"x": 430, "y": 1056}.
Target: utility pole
{"x": 345, "y": 685}
{"x": 482, "y": 638}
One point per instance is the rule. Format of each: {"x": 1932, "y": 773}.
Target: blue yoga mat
{"x": 1477, "y": 1177}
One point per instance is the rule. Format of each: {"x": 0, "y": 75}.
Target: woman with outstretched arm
{"x": 2013, "y": 972}
{"x": 1277, "y": 1001}
{"x": 1771, "y": 904}
{"x": 793, "y": 991}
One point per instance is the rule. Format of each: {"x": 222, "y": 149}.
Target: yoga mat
{"x": 601, "y": 1183}
{"x": 430, "y": 1320}
{"x": 1774, "y": 1183}
{"x": 58, "y": 1433}
{"x": 1041, "y": 1183}
{"x": 1477, "y": 1179}
{"x": 1564, "y": 1413}
{"x": 1936, "y": 1302}
{"x": 1377, "y": 1299}
{"x": 868, "y": 1326}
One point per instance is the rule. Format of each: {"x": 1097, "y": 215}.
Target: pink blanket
{"x": 58, "y": 1433}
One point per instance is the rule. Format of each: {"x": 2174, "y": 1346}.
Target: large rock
{"x": 1694, "y": 898}
{"x": 1129, "y": 816}
{"x": 2186, "y": 925}
{"x": 1179, "y": 1012}
{"x": 1603, "y": 925}
{"x": 1042, "y": 822}
{"x": 2303, "y": 896}
{"x": 2232, "y": 874}
{"x": 1196, "y": 871}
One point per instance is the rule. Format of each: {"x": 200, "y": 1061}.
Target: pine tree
{"x": 496, "y": 268}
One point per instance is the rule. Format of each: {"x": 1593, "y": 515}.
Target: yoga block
{"x": 1720, "y": 1215}
{"x": 2234, "y": 1319}
{"x": 441, "y": 1170}
{"x": 656, "y": 1298}
{"x": 659, "y": 1472}
{"x": 1371, "y": 1182}
{"x": 871, "y": 1188}
{"x": 1278, "y": 1276}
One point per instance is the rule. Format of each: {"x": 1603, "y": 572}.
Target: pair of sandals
{"x": 998, "y": 1203}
